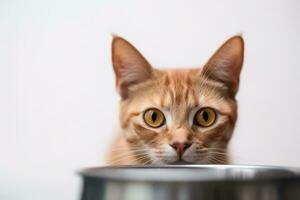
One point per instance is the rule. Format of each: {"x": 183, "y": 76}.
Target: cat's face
{"x": 180, "y": 115}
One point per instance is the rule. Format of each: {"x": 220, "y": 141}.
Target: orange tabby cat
{"x": 176, "y": 115}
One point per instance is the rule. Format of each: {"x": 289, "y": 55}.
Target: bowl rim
{"x": 106, "y": 173}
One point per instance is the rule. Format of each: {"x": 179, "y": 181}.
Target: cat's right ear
{"x": 129, "y": 65}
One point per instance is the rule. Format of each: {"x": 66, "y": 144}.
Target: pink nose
{"x": 180, "y": 147}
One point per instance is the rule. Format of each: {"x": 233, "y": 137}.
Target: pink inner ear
{"x": 129, "y": 65}
{"x": 225, "y": 65}
{"x": 130, "y": 76}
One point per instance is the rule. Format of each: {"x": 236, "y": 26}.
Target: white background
{"x": 58, "y": 105}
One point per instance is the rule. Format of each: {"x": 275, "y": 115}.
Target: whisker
{"x": 126, "y": 155}
{"x": 217, "y": 159}
{"x": 118, "y": 161}
{"x": 146, "y": 157}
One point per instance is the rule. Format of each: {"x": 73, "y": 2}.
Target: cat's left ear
{"x": 129, "y": 64}
{"x": 226, "y": 64}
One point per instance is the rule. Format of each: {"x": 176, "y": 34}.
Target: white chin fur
{"x": 167, "y": 155}
{"x": 190, "y": 156}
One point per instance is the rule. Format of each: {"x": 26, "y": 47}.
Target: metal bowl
{"x": 207, "y": 182}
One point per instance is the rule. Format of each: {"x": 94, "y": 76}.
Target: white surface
{"x": 58, "y": 106}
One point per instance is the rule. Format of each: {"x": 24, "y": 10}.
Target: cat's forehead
{"x": 187, "y": 80}
{"x": 184, "y": 87}
{"x": 179, "y": 75}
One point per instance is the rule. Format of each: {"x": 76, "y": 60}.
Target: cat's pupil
{"x": 205, "y": 115}
{"x": 154, "y": 116}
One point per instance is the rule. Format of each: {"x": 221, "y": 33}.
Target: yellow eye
{"x": 154, "y": 118}
{"x": 205, "y": 117}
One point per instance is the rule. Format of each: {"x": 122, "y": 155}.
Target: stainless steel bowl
{"x": 203, "y": 182}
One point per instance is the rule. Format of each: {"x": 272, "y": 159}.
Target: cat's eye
{"x": 205, "y": 117}
{"x": 154, "y": 118}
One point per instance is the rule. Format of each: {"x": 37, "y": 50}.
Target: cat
{"x": 175, "y": 115}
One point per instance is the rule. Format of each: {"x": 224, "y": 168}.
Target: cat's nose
{"x": 180, "y": 147}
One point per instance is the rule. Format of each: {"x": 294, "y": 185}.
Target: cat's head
{"x": 188, "y": 115}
